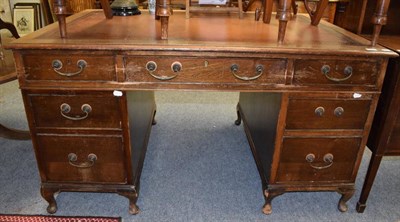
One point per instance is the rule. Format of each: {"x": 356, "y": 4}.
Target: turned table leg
{"x": 283, "y": 14}
{"x": 379, "y": 19}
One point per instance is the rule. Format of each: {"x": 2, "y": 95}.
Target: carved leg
{"x": 379, "y": 19}
{"x": 294, "y": 7}
{"x": 105, "y": 4}
{"x": 283, "y": 14}
{"x": 267, "y": 11}
{"x": 346, "y": 195}
{"x": 132, "y": 197}
{"x": 239, "y": 117}
{"x": 269, "y": 195}
{"x": 48, "y": 195}
{"x": 60, "y": 9}
{"x": 163, "y": 11}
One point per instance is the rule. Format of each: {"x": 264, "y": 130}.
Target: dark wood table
{"x": 307, "y": 105}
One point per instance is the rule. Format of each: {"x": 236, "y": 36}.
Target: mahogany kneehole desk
{"x": 307, "y": 105}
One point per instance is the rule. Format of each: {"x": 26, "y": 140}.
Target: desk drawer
{"x": 327, "y": 113}
{"x": 97, "y": 110}
{"x": 69, "y": 67}
{"x": 346, "y": 72}
{"x": 203, "y": 70}
{"x": 82, "y": 158}
{"x": 317, "y": 159}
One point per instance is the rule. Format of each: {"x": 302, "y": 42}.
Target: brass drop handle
{"x": 57, "y": 65}
{"x": 259, "y": 71}
{"x": 151, "y": 66}
{"x": 319, "y": 111}
{"x": 348, "y": 72}
{"x": 338, "y": 111}
{"x": 328, "y": 159}
{"x": 73, "y": 158}
{"x": 65, "y": 108}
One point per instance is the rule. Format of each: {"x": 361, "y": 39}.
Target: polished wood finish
{"x": 281, "y": 85}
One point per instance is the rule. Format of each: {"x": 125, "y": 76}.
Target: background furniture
{"x": 7, "y": 73}
{"x": 307, "y": 106}
{"x": 384, "y": 138}
{"x": 229, "y": 7}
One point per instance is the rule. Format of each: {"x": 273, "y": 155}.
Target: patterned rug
{"x": 41, "y": 218}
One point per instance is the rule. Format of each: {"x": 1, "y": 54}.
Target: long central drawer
{"x": 205, "y": 70}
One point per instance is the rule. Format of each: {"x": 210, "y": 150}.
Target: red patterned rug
{"x": 41, "y": 218}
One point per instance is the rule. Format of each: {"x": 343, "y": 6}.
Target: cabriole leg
{"x": 239, "y": 117}
{"x": 132, "y": 197}
{"x": 346, "y": 195}
{"x": 269, "y": 195}
{"x": 48, "y": 195}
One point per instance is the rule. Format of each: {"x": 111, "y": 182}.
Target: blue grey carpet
{"x": 198, "y": 167}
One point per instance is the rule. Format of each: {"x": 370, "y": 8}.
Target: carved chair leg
{"x": 269, "y": 195}
{"x": 346, "y": 195}
{"x": 48, "y": 195}
{"x": 319, "y": 12}
{"x": 294, "y": 7}
{"x": 283, "y": 15}
{"x": 60, "y": 10}
{"x": 132, "y": 197}
{"x": 267, "y": 11}
{"x": 379, "y": 19}
{"x": 105, "y": 4}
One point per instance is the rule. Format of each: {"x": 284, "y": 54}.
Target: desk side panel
{"x": 260, "y": 112}
{"x": 141, "y": 110}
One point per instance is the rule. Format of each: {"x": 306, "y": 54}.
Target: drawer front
{"x": 211, "y": 70}
{"x": 66, "y": 67}
{"x": 99, "y": 110}
{"x": 82, "y": 159}
{"x": 327, "y": 114}
{"x": 317, "y": 159}
{"x": 309, "y": 72}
